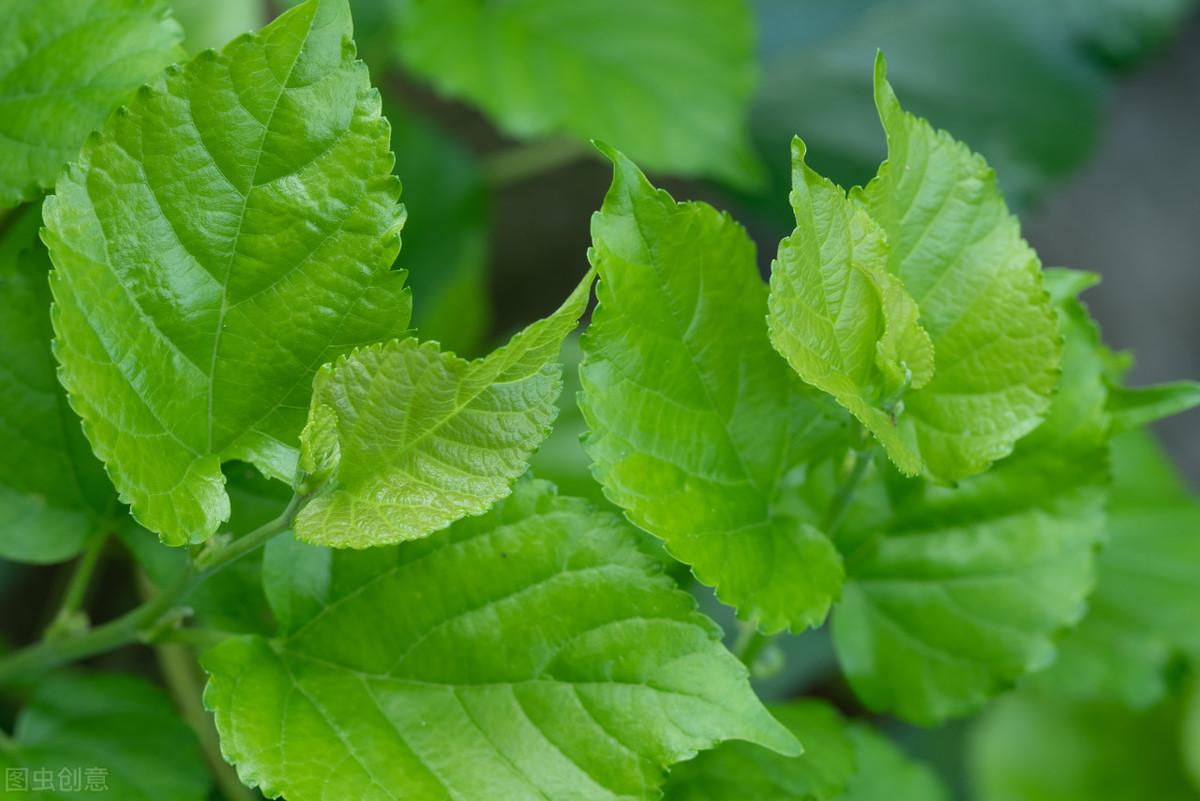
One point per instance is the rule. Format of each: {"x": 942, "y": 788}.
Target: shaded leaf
{"x": 668, "y": 81}
{"x": 53, "y": 491}
{"x": 64, "y": 66}
{"x": 841, "y": 762}
{"x": 1143, "y": 611}
{"x": 960, "y": 591}
{"x": 1038, "y": 747}
{"x": 117, "y": 728}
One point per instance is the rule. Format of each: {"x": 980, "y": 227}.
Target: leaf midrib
{"x": 237, "y": 234}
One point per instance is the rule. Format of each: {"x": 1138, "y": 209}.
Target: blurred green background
{"x": 1089, "y": 110}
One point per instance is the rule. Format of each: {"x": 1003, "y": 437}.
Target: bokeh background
{"x": 1088, "y": 109}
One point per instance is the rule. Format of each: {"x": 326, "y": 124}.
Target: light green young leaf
{"x": 963, "y": 589}
{"x": 106, "y": 729}
{"x": 841, "y": 320}
{"x": 668, "y": 81}
{"x": 413, "y": 672}
{"x": 841, "y": 762}
{"x": 1143, "y": 611}
{"x": 1043, "y": 747}
{"x": 403, "y": 439}
{"x": 978, "y": 285}
{"x": 221, "y": 239}
{"x": 695, "y": 422}
{"x": 53, "y": 491}
{"x": 1134, "y": 407}
{"x": 64, "y": 65}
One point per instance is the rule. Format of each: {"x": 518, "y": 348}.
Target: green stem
{"x": 7, "y": 744}
{"x": 525, "y": 161}
{"x": 135, "y": 624}
{"x": 750, "y": 643}
{"x": 185, "y": 685}
{"x": 845, "y": 494}
{"x": 77, "y": 587}
{"x": 753, "y": 647}
{"x": 195, "y": 636}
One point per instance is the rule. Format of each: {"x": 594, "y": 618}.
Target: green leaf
{"x": 1191, "y": 735}
{"x": 418, "y": 675}
{"x": 978, "y": 285}
{"x": 53, "y": 491}
{"x": 1039, "y": 747}
{"x": 668, "y": 81}
{"x": 403, "y": 439}
{"x": 843, "y": 322}
{"x": 446, "y": 235}
{"x": 960, "y": 591}
{"x": 842, "y": 762}
{"x": 886, "y": 774}
{"x": 64, "y": 65}
{"x": 696, "y": 423}
{"x": 1134, "y": 407}
{"x": 115, "y": 730}
{"x": 739, "y": 771}
{"x": 212, "y": 23}
{"x": 1143, "y": 611}
{"x": 221, "y": 239}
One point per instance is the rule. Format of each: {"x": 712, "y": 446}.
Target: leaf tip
{"x": 885, "y": 97}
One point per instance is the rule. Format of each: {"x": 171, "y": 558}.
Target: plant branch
{"x": 139, "y": 624}
{"x": 177, "y": 663}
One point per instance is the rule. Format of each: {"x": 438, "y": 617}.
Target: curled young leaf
{"x": 404, "y": 439}
{"x": 959, "y": 252}
{"x": 844, "y": 323}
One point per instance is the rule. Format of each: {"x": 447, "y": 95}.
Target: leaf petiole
{"x": 70, "y": 617}
{"x": 150, "y": 616}
{"x": 845, "y": 494}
